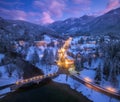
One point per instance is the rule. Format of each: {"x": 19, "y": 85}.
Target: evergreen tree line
{"x": 47, "y": 59}
{"x": 111, "y": 61}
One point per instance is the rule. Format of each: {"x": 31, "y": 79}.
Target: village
{"x": 82, "y": 56}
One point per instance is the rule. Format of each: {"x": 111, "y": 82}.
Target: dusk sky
{"x": 48, "y": 11}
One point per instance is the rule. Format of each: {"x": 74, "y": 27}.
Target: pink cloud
{"x": 112, "y": 4}
{"x": 21, "y": 15}
{"x": 54, "y": 7}
{"x": 47, "y": 10}
{"x": 14, "y": 14}
{"x": 85, "y": 2}
{"x": 59, "y": 8}
{"x": 46, "y": 18}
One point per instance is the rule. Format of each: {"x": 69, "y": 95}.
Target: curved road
{"x": 96, "y": 87}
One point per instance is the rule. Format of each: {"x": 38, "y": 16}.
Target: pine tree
{"x": 45, "y": 57}
{"x": 106, "y": 70}
{"x": 114, "y": 80}
{"x": 35, "y": 58}
{"x": 98, "y": 75}
{"x": 89, "y": 60}
{"x": 112, "y": 58}
{"x": 78, "y": 63}
{"x": 51, "y": 57}
{"x": 81, "y": 41}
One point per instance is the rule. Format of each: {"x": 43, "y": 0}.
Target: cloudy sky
{"x": 48, "y": 11}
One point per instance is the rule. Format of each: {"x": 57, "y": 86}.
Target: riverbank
{"x": 47, "y": 91}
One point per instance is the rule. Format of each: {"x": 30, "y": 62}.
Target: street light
{"x": 88, "y": 79}
{"x": 111, "y": 89}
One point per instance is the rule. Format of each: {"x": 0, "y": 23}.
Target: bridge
{"x": 86, "y": 81}
{"x": 35, "y": 79}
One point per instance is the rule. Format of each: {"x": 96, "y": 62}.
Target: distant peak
{"x": 117, "y": 10}
{"x": 86, "y": 16}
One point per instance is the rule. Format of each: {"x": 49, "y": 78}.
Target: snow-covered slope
{"x": 89, "y": 93}
{"x": 109, "y": 22}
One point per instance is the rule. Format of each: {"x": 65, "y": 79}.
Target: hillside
{"x": 15, "y": 29}
{"x": 109, "y": 22}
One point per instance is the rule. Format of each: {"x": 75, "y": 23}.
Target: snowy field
{"x": 5, "y": 80}
{"x": 47, "y": 69}
{"x": 8, "y": 80}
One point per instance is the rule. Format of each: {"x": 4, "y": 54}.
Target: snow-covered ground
{"x": 75, "y": 39}
{"x": 30, "y": 52}
{"x": 47, "y": 69}
{"x": 89, "y": 93}
{"x": 5, "y": 80}
{"x": 62, "y": 78}
{"x": 39, "y": 50}
{"x": 84, "y": 48}
{"x": 88, "y": 73}
{"x": 95, "y": 63}
{"x": 47, "y": 38}
{"x": 6, "y": 90}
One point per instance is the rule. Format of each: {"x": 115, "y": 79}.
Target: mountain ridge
{"x": 108, "y": 22}
{"x": 104, "y": 24}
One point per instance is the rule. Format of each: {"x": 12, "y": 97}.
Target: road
{"x": 87, "y": 83}
{"x": 96, "y": 87}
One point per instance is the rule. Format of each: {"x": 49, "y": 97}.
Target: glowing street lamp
{"x": 63, "y": 61}
{"x": 17, "y": 83}
{"x": 111, "y": 89}
{"x": 87, "y": 79}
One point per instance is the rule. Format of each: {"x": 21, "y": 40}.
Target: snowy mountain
{"x": 109, "y": 22}
{"x": 71, "y": 25}
{"x": 16, "y": 29}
